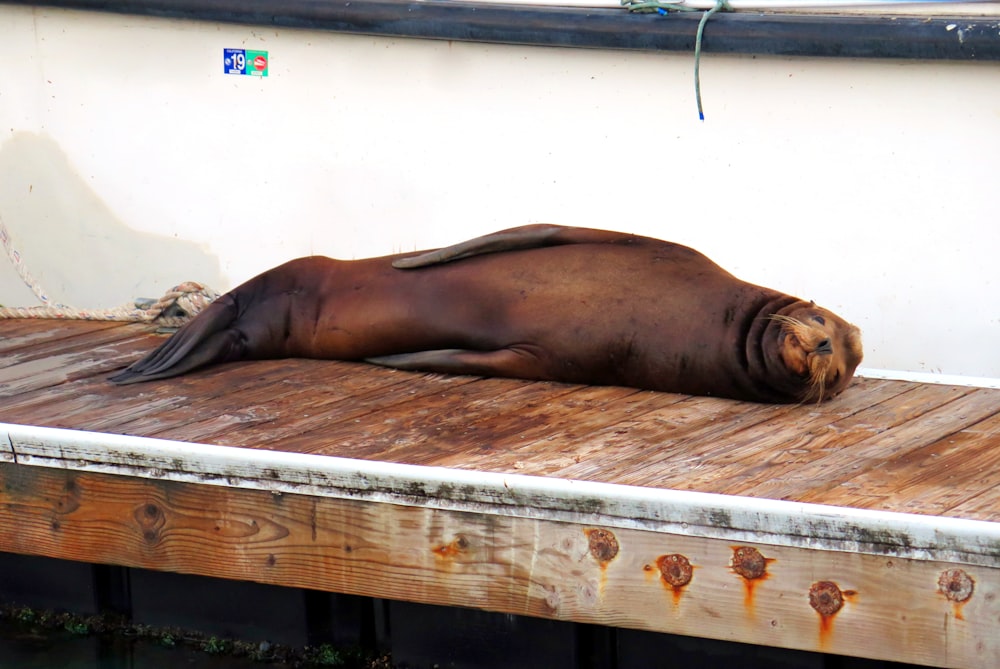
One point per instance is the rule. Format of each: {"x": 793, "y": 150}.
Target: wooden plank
{"x": 982, "y": 503}
{"x": 763, "y": 450}
{"x": 356, "y": 398}
{"x": 552, "y": 569}
{"x": 818, "y": 452}
{"x": 758, "y": 447}
{"x": 207, "y": 405}
{"x": 94, "y": 403}
{"x": 238, "y": 394}
{"x": 67, "y": 336}
{"x": 823, "y": 476}
{"x": 570, "y": 432}
{"x": 673, "y": 431}
{"x": 930, "y": 479}
{"x": 24, "y": 333}
{"x": 406, "y": 425}
{"x": 235, "y": 394}
{"x": 486, "y": 425}
{"x": 56, "y": 362}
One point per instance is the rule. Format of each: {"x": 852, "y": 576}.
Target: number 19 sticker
{"x": 243, "y": 61}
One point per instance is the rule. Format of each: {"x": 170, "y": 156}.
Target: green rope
{"x": 650, "y": 6}
{"x": 662, "y": 8}
{"x": 719, "y": 4}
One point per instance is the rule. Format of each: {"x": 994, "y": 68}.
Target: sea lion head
{"x": 820, "y": 347}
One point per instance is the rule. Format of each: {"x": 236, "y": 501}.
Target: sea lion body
{"x": 540, "y": 302}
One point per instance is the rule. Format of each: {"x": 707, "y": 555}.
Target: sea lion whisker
{"x": 819, "y": 387}
{"x": 787, "y": 322}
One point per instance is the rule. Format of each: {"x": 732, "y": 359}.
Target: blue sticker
{"x": 243, "y": 61}
{"x": 235, "y": 61}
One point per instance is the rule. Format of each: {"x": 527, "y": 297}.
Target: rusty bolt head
{"x": 826, "y": 597}
{"x": 956, "y": 585}
{"x": 603, "y": 545}
{"x": 748, "y": 562}
{"x": 675, "y": 569}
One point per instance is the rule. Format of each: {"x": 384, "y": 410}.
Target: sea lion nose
{"x": 824, "y": 347}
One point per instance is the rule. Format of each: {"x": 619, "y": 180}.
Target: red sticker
{"x": 260, "y": 63}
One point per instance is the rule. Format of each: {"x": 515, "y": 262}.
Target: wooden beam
{"x": 767, "y": 521}
{"x": 884, "y": 607}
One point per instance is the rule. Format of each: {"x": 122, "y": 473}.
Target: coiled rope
{"x": 663, "y": 8}
{"x": 177, "y": 306}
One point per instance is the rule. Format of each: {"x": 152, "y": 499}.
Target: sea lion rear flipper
{"x": 513, "y": 239}
{"x": 510, "y": 362}
{"x": 204, "y": 340}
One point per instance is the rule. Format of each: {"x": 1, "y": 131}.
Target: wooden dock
{"x": 867, "y": 526}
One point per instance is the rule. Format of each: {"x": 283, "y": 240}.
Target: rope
{"x": 177, "y": 306}
{"x": 719, "y": 4}
{"x": 663, "y": 8}
{"x": 650, "y": 6}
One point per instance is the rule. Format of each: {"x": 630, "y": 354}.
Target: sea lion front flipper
{"x": 510, "y": 362}
{"x": 513, "y": 239}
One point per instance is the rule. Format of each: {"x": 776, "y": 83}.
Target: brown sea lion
{"x": 538, "y": 302}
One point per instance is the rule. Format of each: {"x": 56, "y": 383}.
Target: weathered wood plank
{"x": 931, "y": 479}
{"x": 251, "y": 395}
{"x": 406, "y": 424}
{"x": 820, "y": 453}
{"x": 762, "y": 450}
{"x": 553, "y": 569}
{"x": 879, "y": 449}
{"x": 60, "y": 361}
{"x": 327, "y": 412}
{"x": 18, "y": 334}
{"x": 93, "y": 403}
{"x": 574, "y": 432}
{"x": 757, "y": 447}
{"x": 672, "y": 433}
{"x": 487, "y": 426}
{"x": 69, "y": 336}
{"x": 980, "y": 504}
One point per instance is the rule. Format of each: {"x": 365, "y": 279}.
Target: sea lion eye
{"x": 819, "y": 319}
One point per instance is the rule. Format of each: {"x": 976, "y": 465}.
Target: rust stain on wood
{"x": 957, "y": 587}
{"x": 751, "y": 565}
{"x": 452, "y": 549}
{"x": 676, "y": 572}
{"x": 827, "y": 599}
{"x": 603, "y": 547}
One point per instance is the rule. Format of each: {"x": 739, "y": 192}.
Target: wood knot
{"x": 69, "y": 501}
{"x": 956, "y": 585}
{"x": 150, "y": 519}
{"x": 603, "y": 545}
{"x": 675, "y": 569}
{"x": 748, "y": 562}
